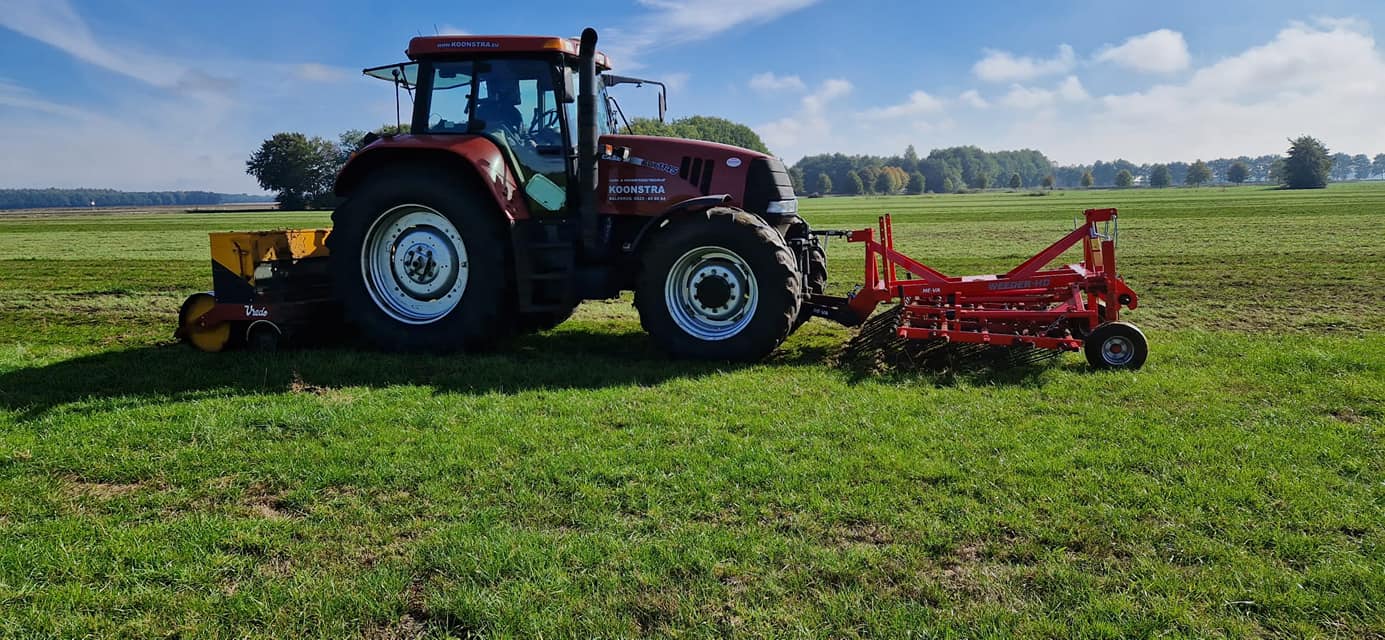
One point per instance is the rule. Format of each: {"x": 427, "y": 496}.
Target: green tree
{"x": 917, "y": 183}
{"x": 1378, "y": 165}
{"x": 868, "y": 176}
{"x": 1124, "y": 178}
{"x": 706, "y": 128}
{"x": 1198, "y": 174}
{"x": 981, "y": 181}
{"x": 854, "y": 185}
{"x": 352, "y": 140}
{"x": 1016, "y": 181}
{"x": 824, "y": 184}
{"x": 1308, "y": 164}
{"x": 1238, "y": 172}
{"x": 299, "y": 169}
{"x": 796, "y": 180}
{"x": 1160, "y": 176}
{"x": 1048, "y": 181}
{"x": 1361, "y": 166}
{"x": 1341, "y": 167}
{"x": 884, "y": 183}
{"x": 911, "y": 159}
{"x": 1087, "y": 179}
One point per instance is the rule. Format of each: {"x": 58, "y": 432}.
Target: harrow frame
{"x": 1029, "y": 305}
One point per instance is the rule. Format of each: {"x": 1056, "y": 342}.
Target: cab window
{"x": 514, "y": 99}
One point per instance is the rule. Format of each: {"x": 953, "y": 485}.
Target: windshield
{"x": 514, "y": 95}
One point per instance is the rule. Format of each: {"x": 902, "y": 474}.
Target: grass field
{"x": 579, "y": 485}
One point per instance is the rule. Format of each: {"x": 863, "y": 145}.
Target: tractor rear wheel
{"x": 718, "y": 285}
{"x": 419, "y": 262}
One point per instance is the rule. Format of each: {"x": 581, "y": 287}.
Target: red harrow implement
{"x": 1073, "y": 307}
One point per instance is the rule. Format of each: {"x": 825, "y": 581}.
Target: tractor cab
{"x": 517, "y": 91}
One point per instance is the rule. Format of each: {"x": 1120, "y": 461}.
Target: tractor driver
{"x": 499, "y": 109}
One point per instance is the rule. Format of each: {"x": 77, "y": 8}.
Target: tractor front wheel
{"x": 718, "y": 285}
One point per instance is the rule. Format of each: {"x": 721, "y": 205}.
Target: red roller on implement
{"x": 1073, "y": 307}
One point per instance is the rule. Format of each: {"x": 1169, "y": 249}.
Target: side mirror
{"x": 548, "y": 194}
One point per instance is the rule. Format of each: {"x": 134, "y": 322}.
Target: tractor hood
{"x": 646, "y": 171}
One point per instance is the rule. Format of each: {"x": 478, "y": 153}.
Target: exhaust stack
{"x": 587, "y": 174}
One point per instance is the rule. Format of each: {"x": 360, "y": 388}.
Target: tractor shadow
{"x": 575, "y": 358}
{"x": 558, "y": 360}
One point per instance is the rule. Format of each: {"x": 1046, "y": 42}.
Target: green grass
{"x": 580, "y": 485}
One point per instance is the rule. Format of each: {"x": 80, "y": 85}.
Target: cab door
{"x": 515, "y": 103}
{"x": 538, "y": 142}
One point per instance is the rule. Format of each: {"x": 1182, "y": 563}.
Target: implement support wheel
{"x": 1116, "y": 345}
{"x": 209, "y": 339}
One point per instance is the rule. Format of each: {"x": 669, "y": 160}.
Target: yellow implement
{"x": 265, "y": 285}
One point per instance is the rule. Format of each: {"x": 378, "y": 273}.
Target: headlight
{"x": 782, "y": 207}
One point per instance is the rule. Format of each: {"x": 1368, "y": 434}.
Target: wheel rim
{"x": 711, "y": 293}
{"x": 1117, "y": 351}
{"x": 414, "y": 264}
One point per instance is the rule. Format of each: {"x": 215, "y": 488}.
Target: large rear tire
{"x": 419, "y": 263}
{"x": 718, "y": 285}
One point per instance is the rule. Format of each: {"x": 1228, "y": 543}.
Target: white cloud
{"x": 972, "y": 98}
{"x": 674, "y": 22}
{"x": 809, "y": 129}
{"x": 919, "y": 103}
{"x": 1326, "y": 79}
{"x": 15, "y": 97}
{"x": 1072, "y": 90}
{"x": 1026, "y": 98}
{"x": 56, "y": 23}
{"x": 158, "y": 122}
{"x": 450, "y": 30}
{"x": 769, "y": 82}
{"x": 314, "y": 72}
{"x": 1003, "y": 66}
{"x": 676, "y": 81}
{"x": 1031, "y": 98}
{"x": 1161, "y": 51}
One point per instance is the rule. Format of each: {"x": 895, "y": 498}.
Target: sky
{"x": 171, "y": 94}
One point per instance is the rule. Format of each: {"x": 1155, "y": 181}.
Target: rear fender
{"x": 471, "y": 157}
{"x": 691, "y": 205}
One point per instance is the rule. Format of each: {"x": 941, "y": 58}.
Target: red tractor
{"x": 514, "y": 198}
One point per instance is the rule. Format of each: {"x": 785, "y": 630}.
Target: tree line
{"x": 943, "y": 171}
{"x": 77, "y": 198}
{"x": 968, "y": 168}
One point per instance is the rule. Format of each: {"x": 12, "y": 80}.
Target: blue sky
{"x": 158, "y": 94}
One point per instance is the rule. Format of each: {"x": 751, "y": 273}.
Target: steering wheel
{"x": 547, "y": 121}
